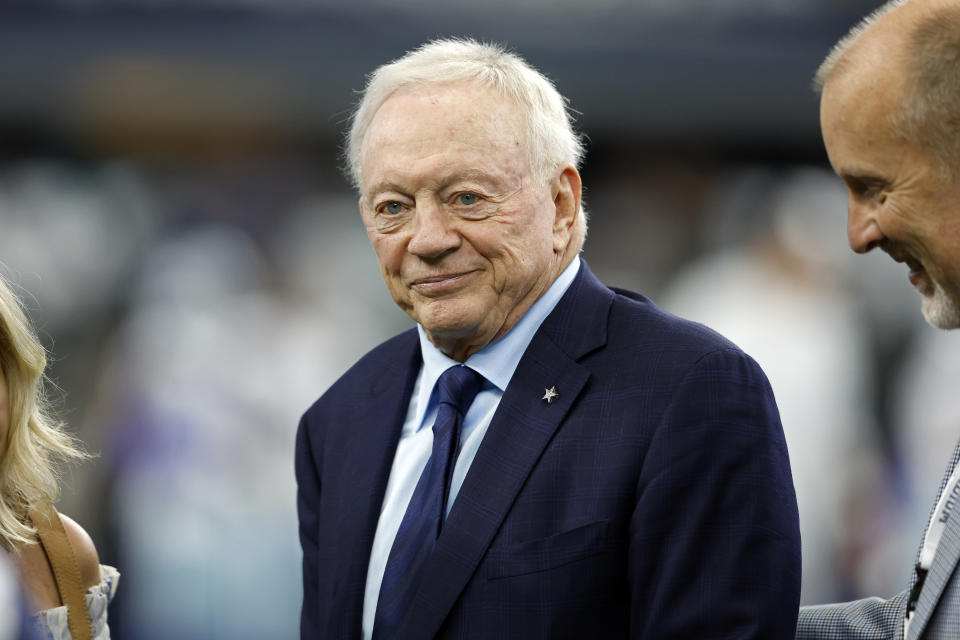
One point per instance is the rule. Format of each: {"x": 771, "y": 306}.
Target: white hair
{"x": 551, "y": 140}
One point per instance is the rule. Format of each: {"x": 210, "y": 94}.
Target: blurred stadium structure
{"x": 171, "y": 207}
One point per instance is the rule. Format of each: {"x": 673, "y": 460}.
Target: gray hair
{"x": 931, "y": 107}
{"x": 551, "y": 140}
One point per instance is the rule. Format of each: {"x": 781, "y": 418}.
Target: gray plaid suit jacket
{"x": 938, "y": 609}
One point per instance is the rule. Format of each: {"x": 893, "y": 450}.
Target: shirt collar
{"x": 497, "y": 361}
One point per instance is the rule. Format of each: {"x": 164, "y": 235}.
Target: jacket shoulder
{"x": 391, "y": 358}
{"x": 637, "y": 319}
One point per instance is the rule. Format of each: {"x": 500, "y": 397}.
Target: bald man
{"x": 890, "y": 116}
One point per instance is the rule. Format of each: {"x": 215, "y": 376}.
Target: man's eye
{"x": 865, "y": 189}
{"x": 467, "y": 199}
{"x": 392, "y": 208}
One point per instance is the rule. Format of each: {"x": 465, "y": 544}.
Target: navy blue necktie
{"x": 423, "y": 519}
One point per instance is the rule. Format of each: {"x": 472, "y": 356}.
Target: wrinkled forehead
{"x": 859, "y": 100}
{"x": 430, "y": 119}
{"x": 450, "y": 106}
{"x": 868, "y": 86}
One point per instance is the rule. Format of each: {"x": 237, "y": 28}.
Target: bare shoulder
{"x": 85, "y": 551}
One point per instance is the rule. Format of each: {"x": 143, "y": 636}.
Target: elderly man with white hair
{"x": 541, "y": 456}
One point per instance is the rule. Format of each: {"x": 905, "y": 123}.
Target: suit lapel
{"x": 363, "y": 457}
{"x": 521, "y": 429}
{"x": 944, "y": 564}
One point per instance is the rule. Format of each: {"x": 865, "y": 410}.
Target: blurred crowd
{"x": 194, "y": 312}
{"x": 173, "y": 217}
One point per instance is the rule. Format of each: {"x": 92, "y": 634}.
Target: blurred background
{"x": 172, "y": 211}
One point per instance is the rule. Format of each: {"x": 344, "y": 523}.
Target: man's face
{"x": 466, "y": 235}
{"x": 900, "y": 200}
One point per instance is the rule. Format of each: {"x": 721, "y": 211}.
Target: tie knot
{"x": 458, "y": 386}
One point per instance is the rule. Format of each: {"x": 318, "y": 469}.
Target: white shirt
{"x": 496, "y": 362}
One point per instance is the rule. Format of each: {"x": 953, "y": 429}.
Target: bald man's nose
{"x": 862, "y": 229}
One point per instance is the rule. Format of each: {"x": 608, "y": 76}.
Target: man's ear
{"x": 566, "y": 189}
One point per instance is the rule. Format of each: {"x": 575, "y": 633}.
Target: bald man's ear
{"x": 566, "y": 189}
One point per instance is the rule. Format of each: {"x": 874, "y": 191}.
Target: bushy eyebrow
{"x": 474, "y": 175}
{"x": 386, "y": 185}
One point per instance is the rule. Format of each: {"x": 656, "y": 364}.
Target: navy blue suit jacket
{"x": 651, "y": 499}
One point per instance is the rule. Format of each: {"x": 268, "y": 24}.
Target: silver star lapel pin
{"x": 550, "y": 394}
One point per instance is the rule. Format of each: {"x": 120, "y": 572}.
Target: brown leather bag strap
{"x": 63, "y": 560}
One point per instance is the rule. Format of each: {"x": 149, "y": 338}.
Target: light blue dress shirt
{"x": 496, "y": 363}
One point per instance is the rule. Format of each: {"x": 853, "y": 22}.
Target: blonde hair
{"x": 35, "y": 441}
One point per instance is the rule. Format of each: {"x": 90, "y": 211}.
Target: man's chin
{"x": 456, "y": 334}
{"x": 940, "y": 310}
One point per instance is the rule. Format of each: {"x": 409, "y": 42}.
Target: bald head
{"x": 890, "y": 117}
{"x": 837, "y": 61}
{"x": 907, "y": 52}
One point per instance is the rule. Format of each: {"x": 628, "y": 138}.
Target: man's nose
{"x": 433, "y": 234}
{"x": 862, "y": 229}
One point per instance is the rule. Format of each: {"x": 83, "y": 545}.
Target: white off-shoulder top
{"x": 52, "y": 623}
